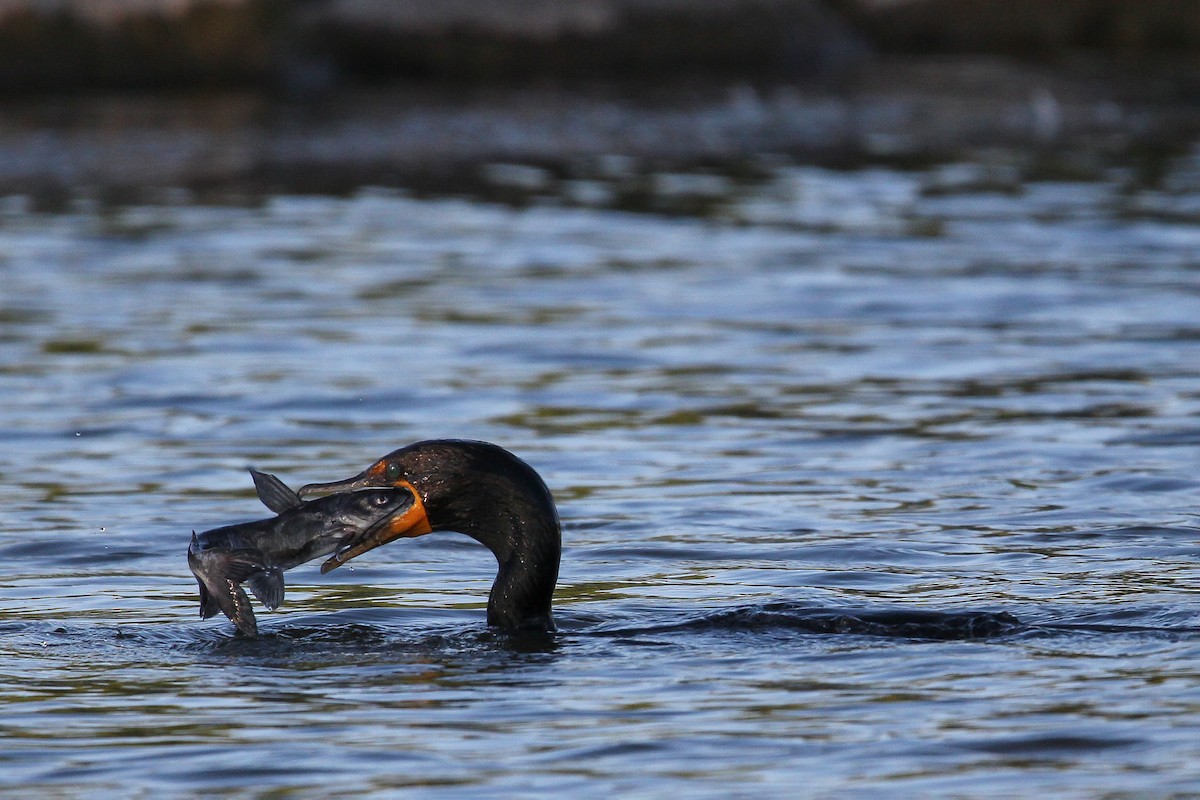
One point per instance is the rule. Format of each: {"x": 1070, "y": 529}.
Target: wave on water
{"x": 319, "y": 635}
{"x": 899, "y": 623}
{"x": 891, "y": 622}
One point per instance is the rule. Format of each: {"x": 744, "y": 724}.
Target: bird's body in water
{"x": 481, "y": 490}
{"x": 256, "y": 553}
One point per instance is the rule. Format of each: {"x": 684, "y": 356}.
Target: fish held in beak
{"x": 257, "y": 553}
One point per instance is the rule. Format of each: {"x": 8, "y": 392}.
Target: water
{"x": 797, "y": 424}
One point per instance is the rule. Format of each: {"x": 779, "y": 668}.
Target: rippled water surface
{"x": 813, "y": 434}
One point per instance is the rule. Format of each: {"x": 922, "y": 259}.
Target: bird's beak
{"x": 364, "y": 480}
{"x": 409, "y": 523}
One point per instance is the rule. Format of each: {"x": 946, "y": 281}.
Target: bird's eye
{"x": 392, "y": 472}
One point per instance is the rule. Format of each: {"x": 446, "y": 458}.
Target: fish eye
{"x": 392, "y": 472}
{"x": 380, "y": 498}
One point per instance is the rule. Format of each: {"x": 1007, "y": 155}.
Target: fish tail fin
{"x": 273, "y": 492}
{"x": 267, "y": 587}
{"x": 220, "y": 574}
{"x": 208, "y": 603}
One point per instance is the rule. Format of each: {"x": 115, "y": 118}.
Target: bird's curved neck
{"x": 522, "y": 593}
{"x": 509, "y": 510}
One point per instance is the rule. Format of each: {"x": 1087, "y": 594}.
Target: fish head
{"x": 358, "y": 510}
{"x": 389, "y": 473}
{"x": 376, "y": 516}
{"x": 338, "y": 522}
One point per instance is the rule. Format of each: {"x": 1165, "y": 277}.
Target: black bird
{"x": 486, "y": 492}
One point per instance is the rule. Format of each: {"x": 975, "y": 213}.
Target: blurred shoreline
{"x": 309, "y": 46}
{"x": 327, "y": 95}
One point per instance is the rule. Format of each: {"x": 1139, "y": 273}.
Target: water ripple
{"x": 874, "y": 480}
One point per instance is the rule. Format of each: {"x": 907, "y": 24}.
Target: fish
{"x": 257, "y": 553}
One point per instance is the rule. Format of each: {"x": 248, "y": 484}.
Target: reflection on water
{"x": 785, "y": 398}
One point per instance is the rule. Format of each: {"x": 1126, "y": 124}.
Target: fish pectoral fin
{"x": 236, "y": 606}
{"x": 273, "y": 492}
{"x": 267, "y": 587}
{"x": 226, "y": 593}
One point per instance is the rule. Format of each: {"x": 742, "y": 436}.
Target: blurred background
{"x": 109, "y": 95}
